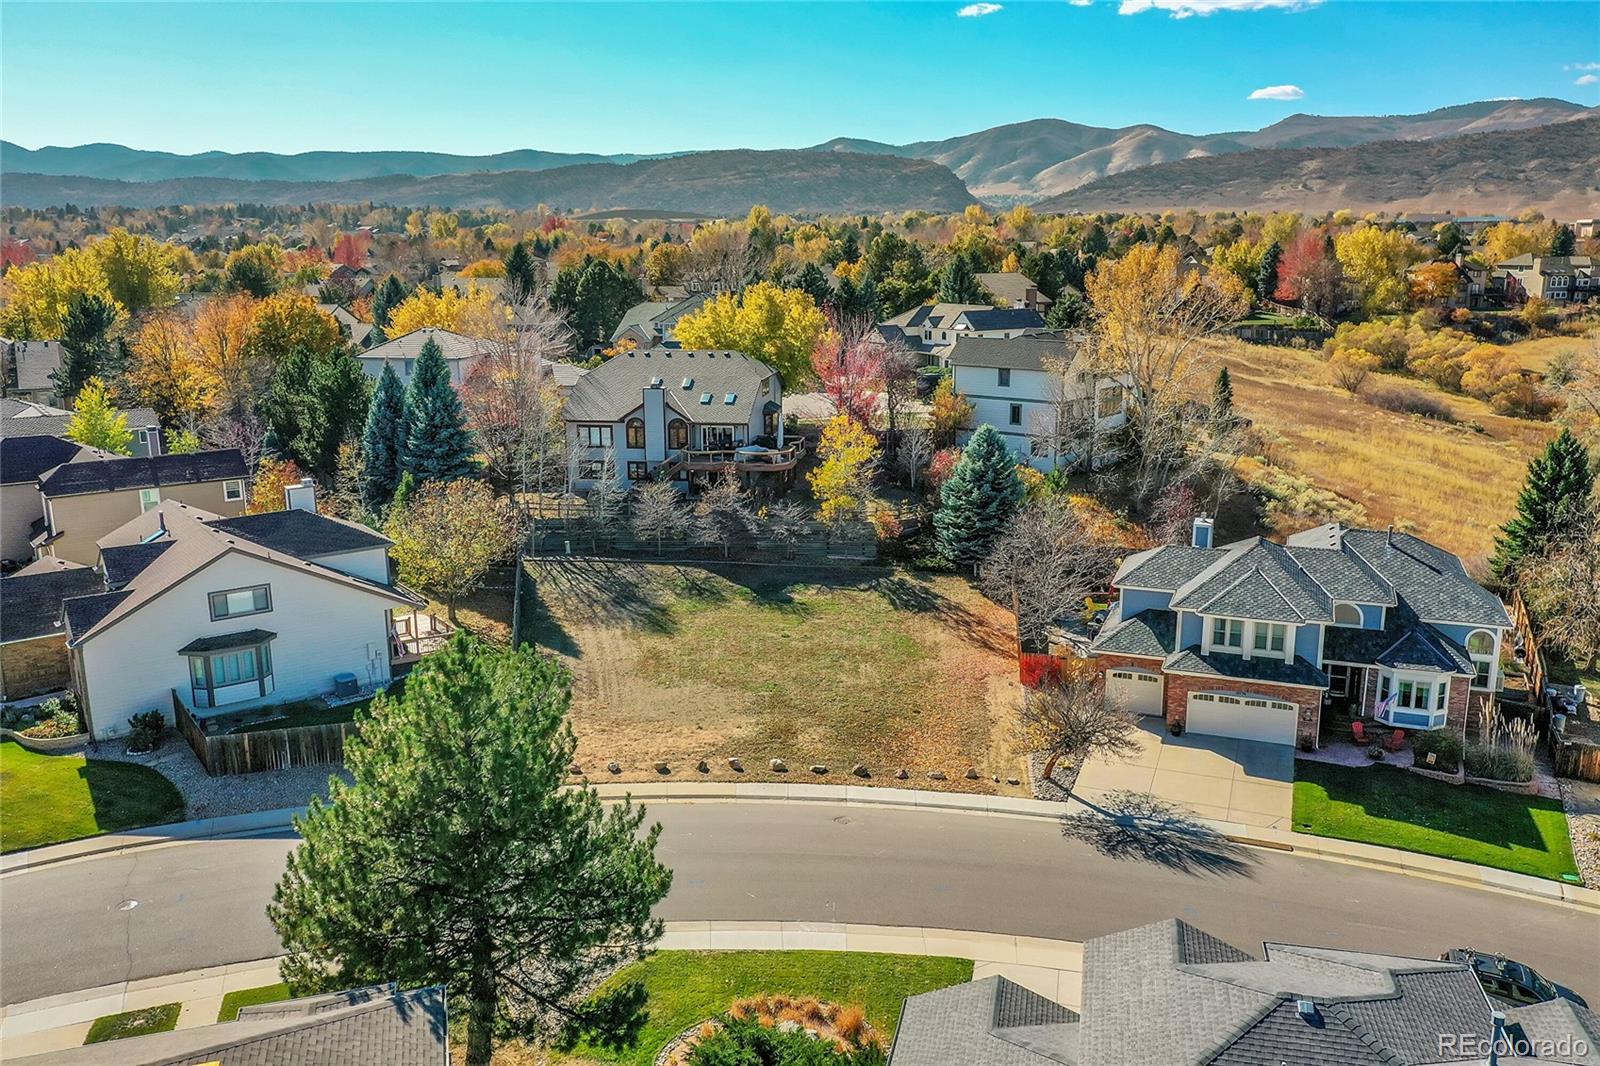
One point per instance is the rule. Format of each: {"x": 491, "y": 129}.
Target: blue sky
{"x": 661, "y": 76}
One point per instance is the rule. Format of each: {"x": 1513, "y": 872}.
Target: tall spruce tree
{"x": 459, "y": 856}
{"x": 979, "y": 499}
{"x": 958, "y": 282}
{"x": 438, "y": 446}
{"x": 1222, "y": 399}
{"x": 1556, "y": 501}
{"x": 86, "y": 349}
{"x": 389, "y": 295}
{"x": 1267, "y": 273}
{"x": 381, "y": 441}
{"x": 814, "y": 283}
{"x": 522, "y": 275}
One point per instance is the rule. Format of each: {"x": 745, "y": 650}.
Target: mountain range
{"x": 1296, "y": 160}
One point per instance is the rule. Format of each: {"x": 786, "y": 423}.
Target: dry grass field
{"x": 1453, "y": 484}
{"x": 678, "y": 663}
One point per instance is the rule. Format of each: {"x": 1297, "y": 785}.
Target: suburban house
{"x": 1011, "y": 289}
{"x": 650, "y": 324}
{"x": 931, "y": 328}
{"x": 353, "y": 330}
{"x": 33, "y": 643}
{"x": 23, "y": 460}
{"x": 29, "y": 418}
{"x": 28, "y": 369}
{"x": 1473, "y": 283}
{"x": 358, "y": 281}
{"x": 461, "y": 354}
{"x": 1558, "y": 278}
{"x": 1169, "y": 994}
{"x": 1012, "y": 387}
{"x": 1254, "y": 639}
{"x": 223, "y": 612}
{"x": 86, "y": 499}
{"x": 676, "y": 413}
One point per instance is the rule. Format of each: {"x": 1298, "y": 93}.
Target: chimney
{"x": 1200, "y": 534}
{"x": 301, "y": 497}
{"x": 1497, "y": 1038}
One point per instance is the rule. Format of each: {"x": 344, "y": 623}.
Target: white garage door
{"x": 1135, "y": 690}
{"x": 1246, "y": 717}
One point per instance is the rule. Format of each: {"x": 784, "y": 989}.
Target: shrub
{"x": 56, "y": 719}
{"x": 1503, "y": 750}
{"x": 1411, "y": 402}
{"x": 145, "y": 731}
{"x": 1445, "y": 747}
{"x": 748, "y": 1042}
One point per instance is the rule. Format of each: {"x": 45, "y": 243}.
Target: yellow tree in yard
{"x": 167, "y": 372}
{"x": 1375, "y": 261}
{"x": 426, "y": 309}
{"x": 842, "y": 481}
{"x": 448, "y": 535}
{"x": 778, "y": 326}
{"x": 97, "y": 424}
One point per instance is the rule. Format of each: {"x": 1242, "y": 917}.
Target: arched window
{"x": 1480, "y": 646}
{"x": 1346, "y": 614}
{"x": 636, "y": 433}
{"x": 677, "y": 433}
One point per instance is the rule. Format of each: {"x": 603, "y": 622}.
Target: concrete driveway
{"x": 1245, "y": 781}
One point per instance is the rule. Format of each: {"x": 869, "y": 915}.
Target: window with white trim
{"x": 233, "y": 490}
{"x": 596, "y": 436}
{"x": 148, "y": 499}
{"x": 1227, "y": 633}
{"x": 1347, "y": 614}
{"x": 1480, "y": 647}
{"x": 235, "y": 603}
{"x": 1270, "y": 637}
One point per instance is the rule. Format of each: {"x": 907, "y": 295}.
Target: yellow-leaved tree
{"x": 778, "y": 326}
{"x": 167, "y": 372}
{"x": 36, "y": 296}
{"x": 426, "y": 309}
{"x": 1375, "y": 261}
{"x": 842, "y": 481}
{"x": 140, "y": 272}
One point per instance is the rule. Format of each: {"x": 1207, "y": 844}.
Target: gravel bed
{"x": 1058, "y": 787}
{"x": 1581, "y": 799}
{"x": 216, "y": 797}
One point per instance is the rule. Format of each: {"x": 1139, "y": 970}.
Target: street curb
{"x": 1323, "y": 848}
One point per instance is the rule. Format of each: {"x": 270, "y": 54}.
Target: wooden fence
{"x": 1574, "y": 756}
{"x": 269, "y": 749}
{"x": 1522, "y": 626}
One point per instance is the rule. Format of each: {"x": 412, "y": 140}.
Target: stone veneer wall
{"x": 32, "y": 667}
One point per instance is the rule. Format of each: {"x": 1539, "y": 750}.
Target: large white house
{"x": 676, "y": 412}
{"x": 1016, "y": 385}
{"x": 226, "y": 613}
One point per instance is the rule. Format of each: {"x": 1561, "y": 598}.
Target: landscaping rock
{"x": 575, "y": 770}
{"x": 614, "y": 766}
{"x": 819, "y": 769}
{"x": 703, "y": 767}
{"x": 662, "y": 767}
{"x": 937, "y": 775}
{"x": 901, "y": 775}
{"x": 1013, "y": 781}
{"x": 860, "y": 771}
{"x": 736, "y": 766}
{"x": 778, "y": 766}
{"x": 972, "y": 773}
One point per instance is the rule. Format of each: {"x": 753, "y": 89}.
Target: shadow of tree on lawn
{"x": 1140, "y": 827}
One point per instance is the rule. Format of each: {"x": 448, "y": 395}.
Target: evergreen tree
{"x": 814, "y": 283}
{"x": 958, "y": 282}
{"x": 1070, "y": 311}
{"x": 1556, "y": 502}
{"x": 594, "y": 296}
{"x": 522, "y": 275}
{"x": 979, "y": 498}
{"x": 1565, "y": 241}
{"x": 317, "y": 401}
{"x": 1095, "y": 241}
{"x": 1450, "y": 239}
{"x": 381, "y": 441}
{"x": 97, "y": 424}
{"x": 403, "y": 493}
{"x": 1222, "y": 399}
{"x": 390, "y": 294}
{"x": 85, "y": 344}
{"x": 459, "y": 856}
{"x": 438, "y": 446}
{"x": 1267, "y": 273}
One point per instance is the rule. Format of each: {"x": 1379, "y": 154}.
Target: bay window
{"x": 1414, "y": 700}
{"x": 231, "y": 669}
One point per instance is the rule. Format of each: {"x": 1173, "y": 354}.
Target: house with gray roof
{"x": 228, "y": 613}
{"x": 930, "y": 329}
{"x": 30, "y": 418}
{"x": 1051, "y": 409}
{"x": 33, "y": 643}
{"x": 375, "y": 1025}
{"x": 1011, "y": 289}
{"x": 1169, "y": 994}
{"x": 1256, "y": 640}
{"x": 1562, "y": 279}
{"x": 650, "y": 324}
{"x": 461, "y": 354}
{"x": 677, "y": 413}
{"x": 22, "y": 461}
{"x": 30, "y": 367}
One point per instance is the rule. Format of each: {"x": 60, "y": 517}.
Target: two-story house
{"x": 29, "y": 418}
{"x": 676, "y": 413}
{"x": 22, "y": 461}
{"x": 1254, "y": 639}
{"x": 1037, "y": 392}
{"x": 650, "y": 324}
{"x": 1011, "y": 289}
{"x": 1564, "y": 279}
{"x": 461, "y": 353}
{"x": 931, "y": 329}
{"x": 229, "y": 613}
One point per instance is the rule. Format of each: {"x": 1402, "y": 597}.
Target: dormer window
{"x": 1270, "y": 637}
{"x": 1347, "y": 614}
{"x": 1227, "y": 633}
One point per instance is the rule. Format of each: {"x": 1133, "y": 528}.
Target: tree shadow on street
{"x": 1139, "y": 827}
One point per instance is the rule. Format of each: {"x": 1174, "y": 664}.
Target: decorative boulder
{"x": 614, "y": 766}
{"x": 860, "y": 770}
{"x": 900, "y": 774}
{"x": 703, "y": 767}
{"x": 819, "y": 769}
{"x": 972, "y": 773}
{"x": 778, "y": 766}
{"x": 662, "y": 767}
{"x": 937, "y": 775}
{"x": 736, "y": 766}
{"x": 575, "y": 770}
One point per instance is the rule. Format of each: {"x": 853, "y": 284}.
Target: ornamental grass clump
{"x": 1503, "y": 750}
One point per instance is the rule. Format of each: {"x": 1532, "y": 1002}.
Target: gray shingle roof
{"x": 1165, "y": 569}
{"x": 993, "y": 1021}
{"x": 30, "y": 604}
{"x": 409, "y": 345}
{"x": 1237, "y": 667}
{"x": 1550, "y": 1022}
{"x": 615, "y": 387}
{"x": 1018, "y": 353}
{"x": 1430, "y": 579}
{"x": 23, "y": 418}
{"x": 301, "y": 533}
{"x": 23, "y": 459}
{"x": 1256, "y": 578}
{"x": 121, "y": 563}
{"x": 1011, "y": 286}
{"x": 1151, "y": 634}
{"x": 139, "y": 472}
{"x": 1000, "y": 318}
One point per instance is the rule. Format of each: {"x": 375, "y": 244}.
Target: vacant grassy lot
{"x": 688, "y": 986}
{"x": 1387, "y": 806}
{"x": 1536, "y": 354}
{"x": 162, "y": 1019}
{"x": 1447, "y": 483}
{"x": 51, "y": 798}
{"x": 887, "y": 668}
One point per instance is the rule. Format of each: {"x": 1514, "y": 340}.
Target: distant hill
{"x": 1555, "y": 168}
{"x": 706, "y": 183}
{"x": 1044, "y": 157}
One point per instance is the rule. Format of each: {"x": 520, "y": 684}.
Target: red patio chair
{"x": 1358, "y": 733}
{"x": 1394, "y": 740}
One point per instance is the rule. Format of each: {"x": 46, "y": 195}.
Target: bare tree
{"x": 607, "y": 499}
{"x": 1072, "y": 719}
{"x": 1044, "y": 566}
{"x": 898, "y": 369}
{"x": 785, "y": 522}
{"x": 1068, "y": 427}
{"x": 1562, "y": 587}
{"x": 246, "y": 431}
{"x": 722, "y": 513}
{"x": 914, "y": 453}
{"x": 720, "y": 257}
{"x": 659, "y": 512}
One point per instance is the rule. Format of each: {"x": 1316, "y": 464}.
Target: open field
{"x": 887, "y": 668}
{"x": 1447, "y": 483}
{"x": 1536, "y": 354}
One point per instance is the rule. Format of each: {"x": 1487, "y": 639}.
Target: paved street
{"x": 63, "y": 928}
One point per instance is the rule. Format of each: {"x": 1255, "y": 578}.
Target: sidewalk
{"x": 1053, "y": 968}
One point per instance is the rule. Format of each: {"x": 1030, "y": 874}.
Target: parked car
{"x": 1510, "y": 981}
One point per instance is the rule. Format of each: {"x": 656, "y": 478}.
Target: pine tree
{"x": 958, "y": 283}
{"x": 381, "y": 441}
{"x": 438, "y": 446}
{"x": 1556, "y": 502}
{"x": 1267, "y": 273}
{"x": 814, "y": 283}
{"x": 1565, "y": 241}
{"x": 1222, "y": 399}
{"x": 85, "y": 344}
{"x": 522, "y": 276}
{"x": 460, "y": 856}
{"x": 1070, "y": 311}
{"x": 390, "y": 294}
{"x": 979, "y": 499}
{"x": 97, "y": 424}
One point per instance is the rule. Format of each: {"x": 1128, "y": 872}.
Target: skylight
{"x": 730, "y": 397}
{"x": 705, "y": 397}
{"x": 688, "y": 383}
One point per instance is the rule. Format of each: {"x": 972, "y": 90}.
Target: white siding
{"x": 371, "y": 564}
{"x": 323, "y": 628}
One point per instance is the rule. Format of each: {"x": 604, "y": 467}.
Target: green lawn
{"x": 249, "y": 997}
{"x": 51, "y": 798}
{"x": 687, "y": 986}
{"x": 162, "y": 1019}
{"x": 1385, "y": 805}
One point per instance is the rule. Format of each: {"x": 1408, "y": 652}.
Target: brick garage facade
{"x": 1129, "y": 662}
{"x": 33, "y": 667}
{"x": 1309, "y": 700}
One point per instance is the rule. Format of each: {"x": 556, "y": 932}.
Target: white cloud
{"x": 1582, "y": 66}
{"x": 1588, "y": 79}
{"x": 1080, "y": 3}
{"x": 977, "y": 11}
{"x": 1182, "y": 9}
{"x": 1278, "y": 92}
